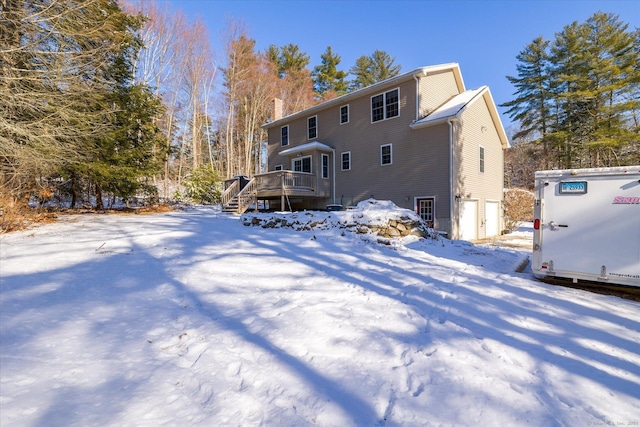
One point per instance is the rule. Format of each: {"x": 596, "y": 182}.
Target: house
{"x": 420, "y": 140}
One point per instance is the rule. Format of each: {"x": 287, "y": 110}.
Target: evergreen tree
{"x": 532, "y": 106}
{"x": 372, "y": 69}
{"x": 329, "y": 82}
{"x": 61, "y": 81}
{"x": 579, "y": 94}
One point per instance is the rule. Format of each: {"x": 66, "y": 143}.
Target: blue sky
{"x": 484, "y": 37}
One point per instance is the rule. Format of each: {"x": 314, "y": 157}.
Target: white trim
{"x": 322, "y": 157}
{"x": 309, "y": 128}
{"x": 341, "y": 162}
{"x": 295, "y": 159}
{"x": 340, "y": 114}
{"x": 278, "y": 167}
{"x": 384, "y": 105}
{"x": 390, "y": 154}
{"x": 415, "y": 207}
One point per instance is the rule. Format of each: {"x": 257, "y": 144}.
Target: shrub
{"x": 203, "y": 185}
{"x": 518, "y": 207}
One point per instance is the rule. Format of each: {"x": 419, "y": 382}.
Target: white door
{"x": 492, "y": 218}
{"x": 468, "y": 220}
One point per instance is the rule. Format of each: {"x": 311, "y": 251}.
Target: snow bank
{"x": 192, "y": 318}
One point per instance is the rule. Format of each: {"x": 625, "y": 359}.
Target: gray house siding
{"x": 421, "y": 153}
{"x": 476, "y": 129}
{"x": 436, "y": 89}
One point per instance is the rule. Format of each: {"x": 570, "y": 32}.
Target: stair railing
{"x": 230, "y": 192}
{"x": 247, "y": 196}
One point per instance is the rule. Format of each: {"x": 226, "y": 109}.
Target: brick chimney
{"x": 276, "y": 114}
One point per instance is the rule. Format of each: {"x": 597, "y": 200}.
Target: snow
{"x": 452, "y": 107}
{"x": 192, "y": 318}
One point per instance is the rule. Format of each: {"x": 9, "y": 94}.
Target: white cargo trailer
{"x": 587, "y": 225}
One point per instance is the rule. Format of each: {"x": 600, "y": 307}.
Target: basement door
{"x": 468, "y": 220}
{"x": 426, "y": 208}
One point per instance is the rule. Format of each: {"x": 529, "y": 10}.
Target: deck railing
{"x": 271, "y": 184}
{"x": 287, "y": 180}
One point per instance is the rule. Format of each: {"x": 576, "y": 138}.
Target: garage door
{"x": 468, "y": 220}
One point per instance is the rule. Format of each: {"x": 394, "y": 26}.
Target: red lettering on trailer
{"x": 621, "y": 200}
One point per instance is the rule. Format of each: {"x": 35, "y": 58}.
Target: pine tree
{"x": 329, "y": 82}
{"x": 372, "y": 69}
{"x": 579, "y": 94}
{"x": 532, "y": 107}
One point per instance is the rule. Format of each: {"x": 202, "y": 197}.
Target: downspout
{"x": 451, "y": 193}
{"x": 417, "y": 79}
{"x": 334, "y": 175}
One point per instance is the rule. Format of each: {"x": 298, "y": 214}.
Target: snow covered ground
{"x": 191, "y": 318}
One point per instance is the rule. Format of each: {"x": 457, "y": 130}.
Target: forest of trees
{"x": 577, "y": 100}
{"x": 105, "y": 100}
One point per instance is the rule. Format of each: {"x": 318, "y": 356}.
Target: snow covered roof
{"x": 315, "y": 145}
{"x": 456, "y": 105}
{"x": 450, "y": 109}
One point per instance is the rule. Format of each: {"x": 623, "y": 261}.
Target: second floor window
{"x": 284, "y": 135}
{"x": 346, "y": 161}
{"x": 344, "y": 114}
{"x": 313, "y": 127}
{"x": 385, "y": 105}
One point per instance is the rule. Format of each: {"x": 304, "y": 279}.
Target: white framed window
{"x": 385, "y": 105}
{"x": 302, "y": 164}
{"x": 284, "y": 135}
{"x": 344, "y": 114}
{"x": 345, "y": 161}
{"x": 481, "y": 159}
{"x": 278, "y": 167}
{"x": 325, "y": 166}
{"x": 312, "y": 128}
{"x": 386, "y": 154}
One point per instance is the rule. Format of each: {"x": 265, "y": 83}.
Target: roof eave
{"x": 419, "y": 72}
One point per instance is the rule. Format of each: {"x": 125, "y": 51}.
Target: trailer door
{"x": 585, "y": 230}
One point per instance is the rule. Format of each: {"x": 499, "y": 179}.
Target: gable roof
{"x": 418, "y": 72}
{"x": 453, "y": 108}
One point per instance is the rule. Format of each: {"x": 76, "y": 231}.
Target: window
{"x": 346, "y": 161}
{"x": 344, "y": 114}
{"x": 284, "y": 135}
{"x": 385, "y": 154}
{"x": 482, "y": 159}
{"x": 325, "y": 166}
{"x": 313, "y": 127}
{"x": 278, "y": 167}
{"x": 302, "y": 164}
{"x": 385, "y": 105}
{"x": 377, "y": 108}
